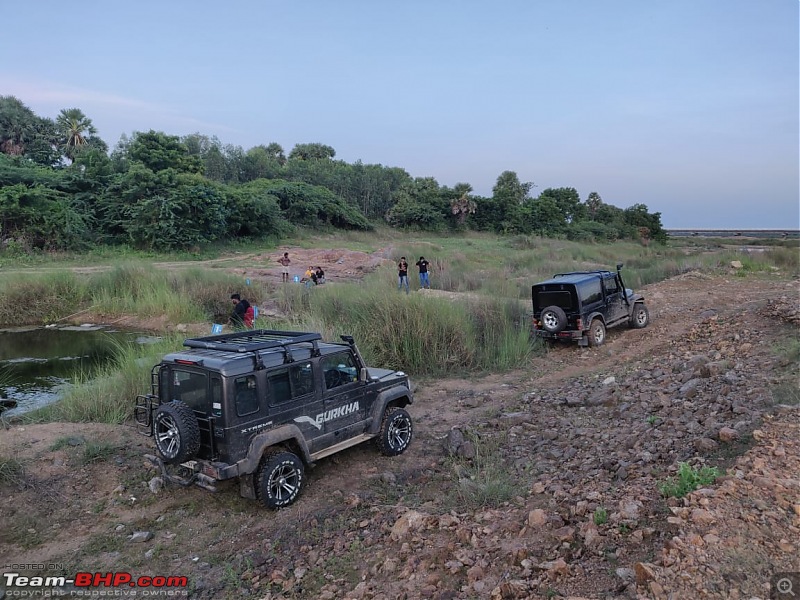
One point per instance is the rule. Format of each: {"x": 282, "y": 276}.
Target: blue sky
{"x": 688, "y": 106}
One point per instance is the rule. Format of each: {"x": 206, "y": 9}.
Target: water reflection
{"x": 37, "y": 364}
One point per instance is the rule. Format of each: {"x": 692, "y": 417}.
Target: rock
{"x": 156, "y": 484}
{"x": 140, "y": 536}
{"x": 410, "y": 521}
{"x": 555, "y": 568}
{"x": 736, "y": 264}
{"x": 537, "y": 517}
{"x": 705, "y": 445}
{"x": 643, "y": 572}
{"x": 702, "y": 516}
{"x": 726, "y": 434}
{"x": 626, "y": 574}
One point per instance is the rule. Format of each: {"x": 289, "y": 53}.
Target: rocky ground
{"x": 540, "y": 483}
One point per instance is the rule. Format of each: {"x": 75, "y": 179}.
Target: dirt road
{"x": 560, "y": 498}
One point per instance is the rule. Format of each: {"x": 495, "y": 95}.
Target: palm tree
{"x": 73, "y": 127}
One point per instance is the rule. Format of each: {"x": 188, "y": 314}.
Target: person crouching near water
{"x": 243, "y": 314}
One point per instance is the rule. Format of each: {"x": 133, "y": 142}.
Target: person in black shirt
{"x": 402, "y": 274}
{"x": 424, "y": 281}
{"x": 237, "y": 319}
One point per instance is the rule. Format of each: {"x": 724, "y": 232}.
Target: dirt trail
{"x": 579, "y": 433}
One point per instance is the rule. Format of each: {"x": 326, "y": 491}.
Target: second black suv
{"x": 581, "y": 305}
{"x": 260, "y": 405}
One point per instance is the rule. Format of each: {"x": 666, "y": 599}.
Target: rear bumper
{"x": 565, "y": 336}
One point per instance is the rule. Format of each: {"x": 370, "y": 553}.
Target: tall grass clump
{"x": 190, "y": 295}
{"x": 107, "y": 394}
{"x": 41, "y": 298}
{"x": 424, "y": 334}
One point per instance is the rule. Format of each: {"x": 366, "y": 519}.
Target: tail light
{"x": 579, "y": 324}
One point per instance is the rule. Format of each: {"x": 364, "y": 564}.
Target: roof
{"x": 234, "y": 353}
{"x": 575, "y": 277}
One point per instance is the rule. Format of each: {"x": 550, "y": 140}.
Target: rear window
{"x": 188, "y": 387}
{"x": 591, "y": 291}
{"x": 560, "y": 298}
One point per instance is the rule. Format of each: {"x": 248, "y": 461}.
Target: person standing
{"x": 424, "y": 281}
{"x": 285, "y": 262}
{"x": 402, "y": 274}
{"x": 240, "y": 317}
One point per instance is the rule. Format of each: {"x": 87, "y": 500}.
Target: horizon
{"x": 690, "y": 109}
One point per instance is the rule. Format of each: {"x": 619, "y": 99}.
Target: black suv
{"x": 582, "y": 305}
{"x": 260, "y": 405}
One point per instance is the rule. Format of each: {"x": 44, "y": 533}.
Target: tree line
{"x": 61, "y": 189}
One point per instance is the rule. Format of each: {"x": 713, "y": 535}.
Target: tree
{"x": 509, "y": 193}
{"x": 158, "y": 151}
{"x": 311, "y": 152}
{"x": 73, "y": 127}
{"x": 22, "y": 133}
{"x": 593, "y": 204}
{"x": 568, "y": 202}
{"x": 463, "y": 205}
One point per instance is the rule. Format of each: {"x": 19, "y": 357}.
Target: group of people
{"x": 315, "y": 276}
{"x": 311, "y": 276}
{"x": 402, "y": 274}
{"x": 243, "y": 314}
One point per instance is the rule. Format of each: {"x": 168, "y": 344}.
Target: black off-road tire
{"x": 176, "y": 432}
{"x": 279, "y": 478}
{"x": 640, "y": 318}
{"x": 596, "y": 333}
{"x": 554, "y": 319}
{"x": 396, "y": 431}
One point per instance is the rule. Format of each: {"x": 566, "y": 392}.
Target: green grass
{"x": 688, "y": 479}
{"x": 486, "y": 480}
{"x": 12, "y": 471}
{"x": 600, "y": 516}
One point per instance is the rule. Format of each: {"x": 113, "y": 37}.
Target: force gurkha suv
{"x": 582, "y": 305}
{"x": 259, "y": 405}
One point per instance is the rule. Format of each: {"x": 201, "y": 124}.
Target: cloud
{"x": 48, "y": 98}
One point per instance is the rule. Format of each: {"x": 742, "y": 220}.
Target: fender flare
{"x": 273, "y": 437}
{"x": 385, "y": 398}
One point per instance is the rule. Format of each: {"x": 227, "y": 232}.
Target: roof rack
{"x": 253, "y": 340}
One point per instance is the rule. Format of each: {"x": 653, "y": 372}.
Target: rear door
{"x": 294, "y": 398}
{"x": 200, "y": 391}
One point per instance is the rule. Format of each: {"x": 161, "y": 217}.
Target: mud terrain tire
{"x": 279, "y": 479}
{"x": 640, "y": 317}
{"x": 396, "y": 432}
{"x": 596, "y": 333}
{"x": 176, "y": 432}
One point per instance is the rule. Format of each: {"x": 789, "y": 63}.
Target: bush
{"x": 689, "y": 479}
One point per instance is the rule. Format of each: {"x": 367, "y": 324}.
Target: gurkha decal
{"x": 328, "y": 415}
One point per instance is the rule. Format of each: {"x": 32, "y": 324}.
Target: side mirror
{"x": 363, "y": 375}
{"x": 619, "y": 266}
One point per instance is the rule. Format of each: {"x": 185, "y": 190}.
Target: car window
{"x": 245, "y": 394}
{"x": 560, "y": 298}
{"x": 339, "y": 369}
{"x": 611, "y": 285}
{"x": 190, "y": 388}
{"x": 293, "y": 382}
{"x": 591, "y": 291}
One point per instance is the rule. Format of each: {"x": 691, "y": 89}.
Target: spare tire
{"x": 554, "y": 319}
{"x": 176, "y": 432}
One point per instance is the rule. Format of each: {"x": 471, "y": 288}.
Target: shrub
{"x": 689, "y": 479}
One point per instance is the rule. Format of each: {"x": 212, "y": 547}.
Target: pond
{"x": 38, "y": 364}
